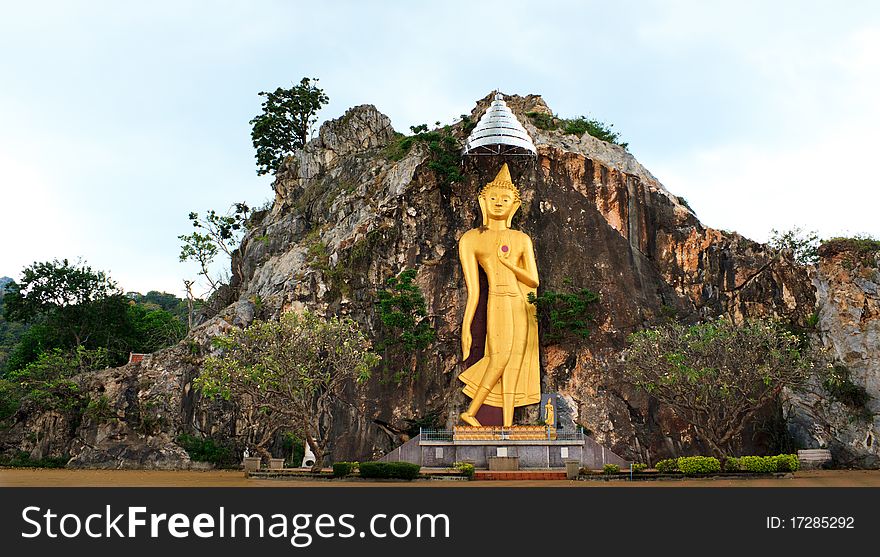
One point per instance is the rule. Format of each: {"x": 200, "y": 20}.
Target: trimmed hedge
{"x": 610, "y": 469}
{"x": 788, "y": 462}
{"x": 667, "y": 465}
{"x": 639, "y": 467}
{"x": 763, "y": 464}
{"x": 342, "y": 469}
{"x": 397, "y": 470}
{"x": 694, "y": 465}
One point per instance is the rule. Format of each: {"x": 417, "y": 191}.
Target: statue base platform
{"x": 496, "y": 433}
{"x": 534, "y": 447}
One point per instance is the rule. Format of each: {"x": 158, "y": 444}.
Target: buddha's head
{"x": 499, "y": 199}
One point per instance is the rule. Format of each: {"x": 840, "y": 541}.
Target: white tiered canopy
{"x": 499, "y": 133}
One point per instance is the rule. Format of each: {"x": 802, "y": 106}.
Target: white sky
{"x": 117, "y": 118}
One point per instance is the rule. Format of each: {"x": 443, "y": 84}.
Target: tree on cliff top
{"x": 287, "y": 374}
{"x": 716, "y": 375}
{"x": 284, "y": 126}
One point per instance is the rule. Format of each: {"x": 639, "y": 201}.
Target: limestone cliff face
{"x": 347, "y": 216}
{"x": 598, "y": 219}
{"x": 847, "y": 283}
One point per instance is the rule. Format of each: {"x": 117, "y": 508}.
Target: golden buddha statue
{"x": 549, "y": 417}
{"x": 508, "y": 375}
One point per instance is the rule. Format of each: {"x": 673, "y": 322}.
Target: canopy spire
{"x": 499, "y": 132}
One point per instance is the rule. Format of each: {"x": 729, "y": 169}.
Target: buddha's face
{"x": 499, "y": 203}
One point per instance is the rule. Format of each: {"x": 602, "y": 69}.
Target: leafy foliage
{"x": 638, "y": 467}
{"x": 694, "y": 465}
{"x": 50, "y": 383}
{"x": 466, "y": 468}
{"x": 839, "y": 384}
{"x": 761, "y": 464}
{"x": 342, "y": 469}
{"x": 787, "y": 462}
{"x": 205, "y": 449}
{"x": 859, "y": 243}
{"x": 443, "y": 146}
{"x": 11, "y": 332}
{"x": 153, "y": 329}
{"x": 667, "y": 465}
{"x": 567, "y": 313}
{"x": 804, "y": 245}
{"x": 396, "y": 470}
{"x": 402, "y": 309}
{"x": 577, "y": 126}
{"x": 859, "y": 249}
{"x": 161, "y": 300}
{"x": 611, "y": 469}
{"x": 716, "y": 375}
{"x": 286, "y": 374}
{"x": 287, "y": 119}
{"x": 68, "y": 306}
{"x": 213, "y": 234}
{"x": 22, "y": 459}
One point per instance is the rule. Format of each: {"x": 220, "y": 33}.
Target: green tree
{"x": 564, "y": 313}
{"x": 287, "y": 119}
{"x": 213, "y": 234}
{"x": 51, "y": 382}
{"x": 152, "y": 329}
{"x": 803, "y": 244}
{"x": 287, "y": 374}
{"x": 404, "y": 316}
{"x": 717, "y": 375}
{"x": 71, "y": 307}
{"x": 11, "y": 332}
{"x": 76, "y": 306}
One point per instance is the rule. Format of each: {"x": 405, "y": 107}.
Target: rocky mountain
{"x": 356, "y": 207}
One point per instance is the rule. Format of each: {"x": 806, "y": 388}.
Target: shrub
{"x": 610, "y": 469}
{"x": 732, "y": 464}
{"x": 639, "y": 467}
{"x": 342, "y": 469}
{"x": 787, "y": 463}
{"x": 206, "y": 449}
{"x": 466, "y": 468}
{"x": 840, "y": 386}
{"x": 758, "y": 463}
{"x": 399, "y": 470}
{"x": 22, "y": 459}
{"x": 668, "y": 465}
{"x": 565, "y": 312}
{"x": 694, "y": 465}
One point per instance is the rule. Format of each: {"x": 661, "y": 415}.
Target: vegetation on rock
{"x": 442, "y": 145}
{"x": 803, "y": 244}
{"x": 577, "y": 126}
{"x": 406, "y": 326}
{"x": 286, "y": 122}
{"x": 838, "y": 383}
{"x": 565, "y": 313}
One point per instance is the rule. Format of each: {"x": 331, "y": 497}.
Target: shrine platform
{"x": 534, "y": 447}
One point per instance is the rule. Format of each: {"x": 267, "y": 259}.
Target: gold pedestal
{"x": 496, "y": 433}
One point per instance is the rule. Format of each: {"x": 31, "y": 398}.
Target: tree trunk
{"x": 319, "y": 453}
